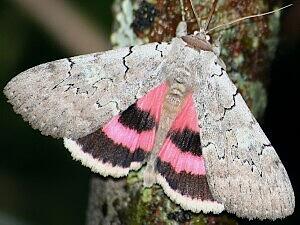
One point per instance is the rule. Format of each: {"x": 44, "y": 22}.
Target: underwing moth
{"x": 169, "y": 107}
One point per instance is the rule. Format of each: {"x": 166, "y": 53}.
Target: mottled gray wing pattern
{"x": 72, "y": 97}
{"x": 244, "y": 171}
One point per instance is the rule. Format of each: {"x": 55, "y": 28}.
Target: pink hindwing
{"x": 181, "y": 166}
{"x": 125, "y": 141}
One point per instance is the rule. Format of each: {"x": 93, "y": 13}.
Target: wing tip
{"x": 194, "y": 205}
{"x": 97, "y": 166}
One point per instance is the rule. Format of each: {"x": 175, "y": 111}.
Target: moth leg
{"x": 181, "y": 29}
{"x": 149, "y": 176}
{"x": 216, "y": 46}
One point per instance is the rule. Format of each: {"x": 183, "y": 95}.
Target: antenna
{"x": 194, "y": 12}
{"x": 247, "y": 17}
{"x": 182, "y": 11}
{"x": 213, "y": 8}
{"x": 210, "y": 14}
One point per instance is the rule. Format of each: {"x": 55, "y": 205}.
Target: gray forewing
{"x": 73, "y": 97}
{"x": 244, "y": 171}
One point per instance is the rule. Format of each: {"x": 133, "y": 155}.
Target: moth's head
{"x": 199, "y": 41}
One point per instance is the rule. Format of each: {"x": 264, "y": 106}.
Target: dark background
{"x": 41, "y": 184}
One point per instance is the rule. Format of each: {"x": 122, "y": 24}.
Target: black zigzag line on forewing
{"x": 124, "y": 61}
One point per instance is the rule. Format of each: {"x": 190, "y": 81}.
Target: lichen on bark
{"x": 247, "y": 50}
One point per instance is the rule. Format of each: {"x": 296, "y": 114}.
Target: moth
{"x": 169, "y": 107}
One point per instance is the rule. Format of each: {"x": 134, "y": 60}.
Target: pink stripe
{"x": 127, "y": 137}
{"x": 153, "y": 100}
{"x": 182, "y": 161}
{"x": 187, "y": 118}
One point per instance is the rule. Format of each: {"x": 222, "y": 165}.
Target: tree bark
{"x": 247, "y": 50}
